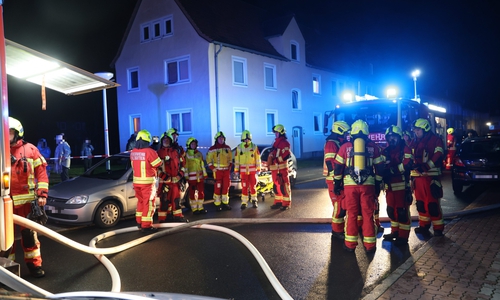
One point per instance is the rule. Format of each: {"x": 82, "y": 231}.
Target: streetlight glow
{"x": 391, "y": 93}
{"x": 415, "y": 74}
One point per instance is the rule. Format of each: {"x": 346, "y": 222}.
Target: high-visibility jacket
{"x": 219, "y": 156}
{"x": 173, "y": 162}
{"x": 144, "y": 162}
{"x": 28, "y": 173}
{"x": 428, "y": 155}
{"x": 195, "y": 167}
{"x": 331, "y": 149}
{"x": 247, "y": 158}
{"x": 398, "y": 162}
{"x": 344, "y": 164}
{"x": 450, "y": 142}
{"x": 280, "y": 154}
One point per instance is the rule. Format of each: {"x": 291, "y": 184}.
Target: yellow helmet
{"x": 358, "y": 127}
{"x": 17, "y": 126}
{"x": 279, "y": 128}
{"x": 422, "y": 124}
{"x": 246, "y": 135}
{"x": 219, "y": 134}
{"x": 340, "y": 127}
{"x": 393, "y": 129}
{"x": 168, "y": 134}
{"x": 190, "y": 140}
{"x": 144, "y": 135}
{"x": 172, "y": 131}
{"x": 450, "y": 130}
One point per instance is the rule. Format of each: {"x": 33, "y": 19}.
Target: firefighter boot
{"x": 36, "y": 272}
{"x": 338, "y": 235}
{"x": 391, "y": 236}
{"x": 423, "y": 230}
{"x": 254, "y": 203}
{"x": 438, "y": 232}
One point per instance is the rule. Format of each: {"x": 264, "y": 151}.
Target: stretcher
{"x": 265, "y": 185}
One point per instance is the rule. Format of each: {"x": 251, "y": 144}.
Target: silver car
{"x": 101, "y": 196}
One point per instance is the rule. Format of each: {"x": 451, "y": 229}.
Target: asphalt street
{"x": 298, "y": 249}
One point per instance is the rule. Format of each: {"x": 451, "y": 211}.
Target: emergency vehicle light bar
{"x": 30, "y": 65}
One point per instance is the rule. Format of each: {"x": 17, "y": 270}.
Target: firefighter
{"x": 145, "y": 163}
{"x": 220, "y": 160}
{"x": 340, "y": 129}
{"x": 278, "y": 165}
{"x": 195, "y": 175}
{"x": 29, "y": 182}
{"x": 172, "y": 179}
{"x": 358, "y": 169}
{"x": 247, "y": 164}
{"x": 450, "y": 146}
{"x": 396, "y": 177}
{"x": 427, "y": 149}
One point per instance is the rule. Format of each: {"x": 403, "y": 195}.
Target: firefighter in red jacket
{"x": 278, "y": 165}
{"x": 450, "y": 146}
{"x": 358, "y": 169}
{"x": 427, "y": 151}
{"x": 195, "y": 175}
{"x": 29, "y": 182}
{"x": 340, "y": 129}
{"x": 145, "y": 162}
{"x": 396, "y": 176}
{"x": 220, "y": 161}
{"x": 172, "y": 179}
{"x": 247, "y": 164}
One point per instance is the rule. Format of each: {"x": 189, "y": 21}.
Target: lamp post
{"x": 107, "y": 76}
{"x": 415, "y": 74}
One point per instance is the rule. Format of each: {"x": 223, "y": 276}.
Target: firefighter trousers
{"x": 145, "y": 205}
{"x": 282, "y": 190}
{"x": 196, "y": 201}
{"x": 222, "y": 184}
{"x": 29, "y": 239}
{"x": 398, "y": 211}
{"x": 170, "y": 198}
{"x": 338, "y": 213}
{"x": 428, "y": 207}
{"x": 359, "y": 200}
{"x": 248, "y": 186}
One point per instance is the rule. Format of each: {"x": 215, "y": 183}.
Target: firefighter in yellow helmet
{"x": 220, "y": 161}
{"x": 29, "y": 185}
{"x": 195, "y": 175}
{"x": 396, "y": 176}
{"x": 247, "y": 164}
{"x": 427, "y": 149}
{"x": 145, "y": 163}
{"x": 173, "y": 178}
{"x": 278, "y": 165}
{"x": 358, "y": 169}
{"x": 340, "y": 130}
{"x": 450, "y": 147}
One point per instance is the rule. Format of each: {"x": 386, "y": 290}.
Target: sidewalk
{"x": 464, "y": 264}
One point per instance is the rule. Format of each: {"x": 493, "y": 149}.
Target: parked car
{"x": 477, "y": 160}
{"x": 102, "y": 195}
{"x": 264, "y": 153}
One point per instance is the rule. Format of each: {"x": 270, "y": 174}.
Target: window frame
{"x": 274, "y": 113}
{"x": 164, "y": 26}
{"x": 237, "y": 110}
{"x": 299, "y": 100}
{"x": 130, "y": 88}
{"x": 132, "y": 123}
{"x": 143, "y": 38}
{"x": 244, "y": 71}
{"x": 317, "y": 116}
{"x": 297, "y": 51}
{"x": 180, "y": 127}
{"x": 177, "y": 60}
{"x": 274, "y": 87}
{"x": 318, "y": 92}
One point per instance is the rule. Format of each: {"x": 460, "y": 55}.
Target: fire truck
{"x": 379, "y": 114}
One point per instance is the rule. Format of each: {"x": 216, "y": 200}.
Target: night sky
{"x": 455, "y": 44}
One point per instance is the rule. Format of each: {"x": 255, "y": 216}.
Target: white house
{"x": 222, "y": 65}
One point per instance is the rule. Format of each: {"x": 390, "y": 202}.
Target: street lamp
{"x": 415, "y": 74}
{"x": 391, "y": 93}
{"x": 107, "y": 76}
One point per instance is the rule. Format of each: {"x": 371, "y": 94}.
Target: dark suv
{"x": 477, "y": 160}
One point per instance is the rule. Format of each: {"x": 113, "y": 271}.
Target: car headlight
{"x": 80, "y": 199}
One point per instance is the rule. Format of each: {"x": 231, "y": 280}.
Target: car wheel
{"x": 457, "y": 186}
{"x": 107, "y": 215}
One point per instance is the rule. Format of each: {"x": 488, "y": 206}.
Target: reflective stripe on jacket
{"x": 219, "y": 156}
{"x": 428, "y": 152}
{"x": 195, "y": 167}
{"x": 144, "y": 162}
{"x": 247, "y": 158}
{"x": 278, "y": 158}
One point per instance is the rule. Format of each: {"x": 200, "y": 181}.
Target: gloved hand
{"x": 337, "y": 187}
{"x": 37, "y": 213}
{"x": 378, "y": 183}
{"x": 408, "y": 196}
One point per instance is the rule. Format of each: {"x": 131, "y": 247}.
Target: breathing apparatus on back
{"x": 359, "y": 132}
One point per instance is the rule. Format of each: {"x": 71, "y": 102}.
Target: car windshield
{"x": 481, "y": 147}
{"x": 111, "y": 168}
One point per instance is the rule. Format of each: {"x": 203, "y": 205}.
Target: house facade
{"x": 222, "y": 65}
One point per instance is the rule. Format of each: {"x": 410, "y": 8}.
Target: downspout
{"x": 216, "y": 61}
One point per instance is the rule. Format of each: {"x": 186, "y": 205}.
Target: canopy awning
{"x": 33, "y": 66}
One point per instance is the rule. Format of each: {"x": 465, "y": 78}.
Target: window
{"x": 168, "y": 29}
{"x": 145, "y": 33}
{"x": 133, "y": 79}
{"x": 334, "y": 88}
{"x": 317, "y": 123}
{"x": 180, "y": 120}
{"x": 271, "y": 117}
{"x": 270, "y": 77}
{"x": 135, "y": 123}
{"x": 239, "y": 71}
{"x": 294, "y": 51}
{"x": 316, "y": 84}
{"x": 296, "y": 101}
{"x": 240, "y": 120}
{"x": 177, "y": 70}
{"x": 156, "y": 29}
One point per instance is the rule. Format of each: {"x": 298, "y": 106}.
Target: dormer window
{"x": 294, "y": 51}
